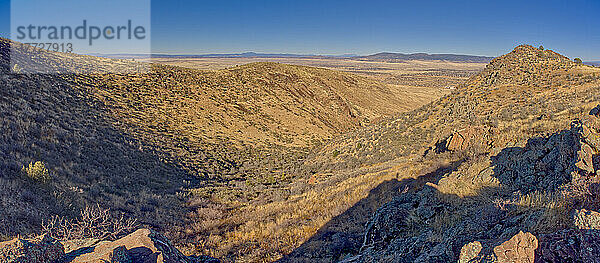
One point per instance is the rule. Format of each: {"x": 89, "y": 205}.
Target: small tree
{"x": 541, "y": 48}
{"x": 578, "y": 61}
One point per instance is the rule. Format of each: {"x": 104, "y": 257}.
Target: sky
{"x": 492, "y": 28}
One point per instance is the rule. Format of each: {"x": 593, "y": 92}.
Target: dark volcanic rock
{"x": 569, "y": 246}
{"x": 389, "y": 220}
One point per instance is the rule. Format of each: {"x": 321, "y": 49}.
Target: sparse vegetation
{"x": 37, "y": 171}
{"x": 251, "y": 188}
{"x": 93, "y": 222}
{"x": 17, "y": 69}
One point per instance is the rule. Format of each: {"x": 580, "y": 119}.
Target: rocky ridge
{"x": 503, "y": 202}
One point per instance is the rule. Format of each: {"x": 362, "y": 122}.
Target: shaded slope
{"x": 47, "y": 118}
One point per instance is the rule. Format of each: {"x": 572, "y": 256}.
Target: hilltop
{"x": 399, "y": 57}
{"x": 512, "y": 92}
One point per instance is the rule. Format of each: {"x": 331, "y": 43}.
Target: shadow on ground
{"x": 343, "y": 234}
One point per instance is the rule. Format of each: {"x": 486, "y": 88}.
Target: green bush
{"x": 578, "y": 61}
{"x": 335, "y": 153}
{"x": 37, "y": 171}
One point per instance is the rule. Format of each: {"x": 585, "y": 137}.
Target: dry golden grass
{"x": 212, "y": 120}
{"x": 266, "y": 232}
{"x": 417, "y": 81}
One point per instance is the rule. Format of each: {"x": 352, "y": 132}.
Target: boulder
{"x": 585, "y": 160}
{"x": 43, "y": 249}
{"x": 520, "y": 248}
{"x": 143, "y": 245}
{"x": 586, "y": 219}
{"x": 462, "y": 140}
{"x": 470, "y": 252}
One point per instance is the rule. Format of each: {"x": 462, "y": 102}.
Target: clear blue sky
{"x": 571, "y": 27}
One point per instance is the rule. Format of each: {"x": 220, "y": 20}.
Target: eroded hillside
{"x": 145, "y": 144}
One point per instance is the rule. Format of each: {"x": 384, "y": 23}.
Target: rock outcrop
{"x": 467, "y": 138}
{"x": 141, "y": 246}
{"x": 520, "y": 248}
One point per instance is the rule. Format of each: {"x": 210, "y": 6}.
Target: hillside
{"x": 146, "y": 145}
{"x": 525, "y": 90}
{"x": 399, "y": 57}
{"x": 505, "y": 152}
{"x": 320, "y": 215}
{"x": 266, "y": 161}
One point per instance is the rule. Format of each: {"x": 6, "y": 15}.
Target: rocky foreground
{"x": 143, "y": 245}
{"x": 549, "y": 178}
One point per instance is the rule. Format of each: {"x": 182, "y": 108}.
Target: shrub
{"x": 335, "y": 153}
{"x": 37, "y": 171}
{"x": 541, "y": 48}
{"x": 578, "y": 61}
{"x": 17, "y": 69}
{"x": 93, "y": 222}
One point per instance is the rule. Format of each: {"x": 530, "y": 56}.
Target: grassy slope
{"x": 141, "y": 143}
{"x": 525, "y": 94}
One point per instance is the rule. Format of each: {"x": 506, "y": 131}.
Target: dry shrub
{"x": 93, "y": 222}
{"x": 37, "y": 171}
{"x": 555, "y": 209}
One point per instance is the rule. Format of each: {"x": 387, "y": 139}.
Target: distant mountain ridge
{"x": 383, "y": 56}
{"x": 225, "y": 55}
{"x": 388, "y": 56}
{"x": 592, "y": 63}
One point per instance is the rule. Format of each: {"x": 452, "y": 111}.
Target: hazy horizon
{"x": 354, "y": 27}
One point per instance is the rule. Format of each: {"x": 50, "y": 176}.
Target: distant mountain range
{"x": 392, "y": 57}
{"x": 233, "y": 55}
{"x": 384, "y": 56}
{"x": 242, "y": 55}
{"x": 593, "y": 63}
